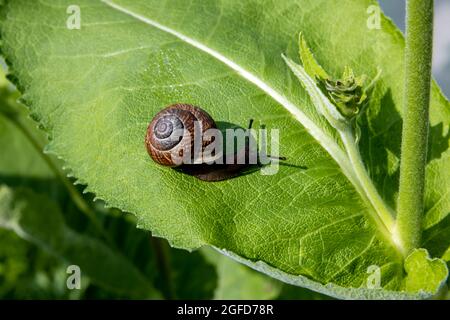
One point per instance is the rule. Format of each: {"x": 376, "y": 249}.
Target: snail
{"x": 170, "y": 137}
{"x": 163, "y": 141}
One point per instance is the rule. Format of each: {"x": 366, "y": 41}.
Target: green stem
{"x": 73, "y": 192}
{"x": 419, "y": 40}
{"x": 385, "y": 215}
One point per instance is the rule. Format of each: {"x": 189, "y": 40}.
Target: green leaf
{"x": 237, "y": 281}
{"x": 309, "y": 62}
{"x": 424, "y": 273}
{"x": 332, "y": 289}
{"x": 96, "y": 89}
{"x": 37, "y": 219}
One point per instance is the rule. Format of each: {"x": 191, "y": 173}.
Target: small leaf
{"x": 321, "y": 102}
{"x": 310, "y": 64}
{"x": 347, "y": 94}
{"x": 424, "y": 273}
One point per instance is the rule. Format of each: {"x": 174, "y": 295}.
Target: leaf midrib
{"x": 325, "y": 141}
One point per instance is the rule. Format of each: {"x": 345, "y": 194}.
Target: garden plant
{"x": 353, "y": 203}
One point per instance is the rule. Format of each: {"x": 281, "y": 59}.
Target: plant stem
{"x": 419, "y": 42}
{"x": 385, "y": 215}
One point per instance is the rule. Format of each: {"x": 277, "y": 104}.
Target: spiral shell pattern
{"x": 172, "y": 132}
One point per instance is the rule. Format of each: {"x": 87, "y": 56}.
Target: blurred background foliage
{"x": 47, "y": 224}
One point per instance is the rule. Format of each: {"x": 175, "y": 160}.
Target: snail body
{"x": 166, "y": 145}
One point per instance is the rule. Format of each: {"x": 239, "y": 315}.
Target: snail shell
{"x": 163, "y": 139}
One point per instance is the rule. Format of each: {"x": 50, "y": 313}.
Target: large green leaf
{"x": 95, "y": 90}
